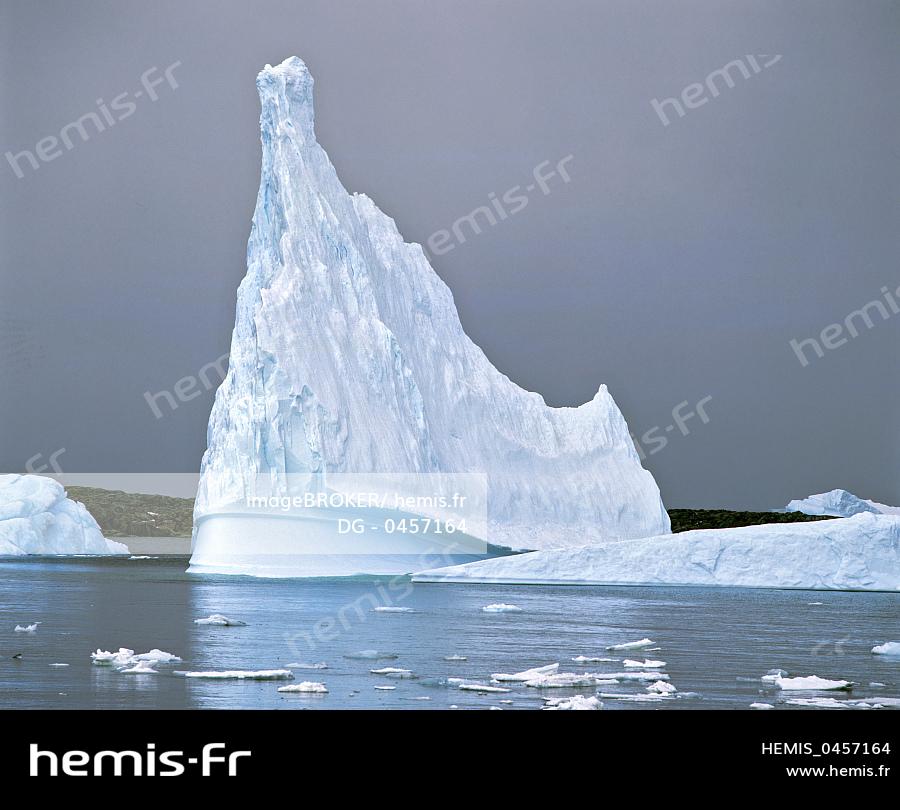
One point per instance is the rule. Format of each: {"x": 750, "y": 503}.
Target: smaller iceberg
{"x": 888, "y": 648}
{"x": 36, "y": 517}
{"x": 839, "y": 503}
{"x": 859, "y": 553}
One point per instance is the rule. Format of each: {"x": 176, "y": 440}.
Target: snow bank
{"x": 839, "y": 503}
{"x": 36, "y": 517}
{"x": 856, "y": 553}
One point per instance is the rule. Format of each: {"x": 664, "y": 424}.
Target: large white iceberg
{"x": 858, "y": 553}
{"x": 348, "y": 356}
{"x": 36, "y": 517}
{"x": 839, "y": 503}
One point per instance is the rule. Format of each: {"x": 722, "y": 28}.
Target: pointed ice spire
{"x": 286, "y": 95}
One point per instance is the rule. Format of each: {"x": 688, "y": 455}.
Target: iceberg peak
{"x": 286, "y": 95}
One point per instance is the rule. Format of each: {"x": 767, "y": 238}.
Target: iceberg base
{"x": 318, "y": 544}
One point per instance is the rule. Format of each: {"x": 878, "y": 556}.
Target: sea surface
{"x": 716, "y": 642}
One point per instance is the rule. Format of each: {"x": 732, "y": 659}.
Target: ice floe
{"x": 371, "y": 655}
{"x": 811, "y": 683}
{"x": 58, "y": 665}
{"x": 478, "y": 687}
{"x": 140, "y": 668}
{"x": 661, "y": 688}
{"x": 575, "y": 703}
{"x": 455, "y": 658}
{"x": 501, "y": 608}
{"x": 526, "y": 675}
{"x": 393, "y": 672}
{"x": 388, "y": 609}
{"x": 645, "y": 664}
{"x": 218, "y": 620}
{"x": 157, "y": 657}
{"x": 762, "y": 706}
{"x": 385, "y": 688}
{"x": 28, "y": 628}
{"x": 299, "y": 665}
{"x": 632, "y": 645}
{"x": 314, "y": 687}
{"x": 242, "y": 674}
{"x": 586, "y": 659}
{"x": 819, "y": 703}
{"x": 888, "y": 648}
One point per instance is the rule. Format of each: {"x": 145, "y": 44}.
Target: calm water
{"x": 710, "y": 638}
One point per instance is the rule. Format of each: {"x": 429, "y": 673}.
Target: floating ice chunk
{"x": 881, "y": 701}
{"x": 158, "y": 657}
{"x": 393, "y": 672}
{"x": 814, "y": 604}
{"x": 633, "y": 675}
{"x": 564, "y": 680}
{"x": 477, "y": 687}
{"x": 65, "y": 665}
{"x": 391, "y": 609}
{"x": 645, "y": 664}
{"x": 141, "y": 557}
{"x": 371, "y": 655}
{"x": 218, "y": 620}
{"x": 773, "y": 675}
{"x": 888, "y": 648}
{"x": 242, "y": 674}
{"x": 585, "y": 659}
{"x": 455, "y": 658}
{"x": 385, "y": 688}
{"x": 501, "y": 608}
{"x": 123, "y": 658}
{"x": 632, "y": 698}
{"x": 297, "y": 665}
{"x": 140, "y": 668}
{"x": 661, "y": 688}
{"x": 526, "y": 675}
{"x": 305, "y": 686}
{"x": 28, "y": 628}
{"x": 812, "y": 682}
{"x": 507, "y": 702}
{"x": 632, "y": 645}
{"x": 575, "y": 703}
{"x": 819, "y": 703}
{"x": 762, "y": 706}
{"x": 876, "y": 685}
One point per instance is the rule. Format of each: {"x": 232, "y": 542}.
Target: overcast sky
{"x": 677, "y": 263}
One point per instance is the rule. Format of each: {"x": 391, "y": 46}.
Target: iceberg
{"x": 348, "y": 357}
{"x": 888, "y": 648}
{"x": 36, "y": 517}
{"x": 310, "y": 687}
{"x": 839, "y": 503}
{"x": 860, "y": 553}
{"x": 812, "y": 683}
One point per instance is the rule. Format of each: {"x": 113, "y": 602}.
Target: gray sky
{"x": 677, "y": 263}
